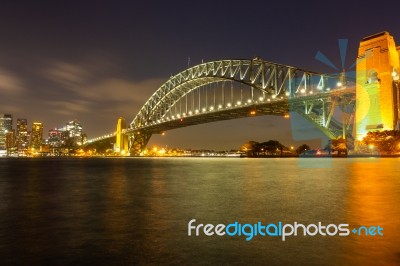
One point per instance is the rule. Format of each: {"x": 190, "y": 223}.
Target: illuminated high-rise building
{"x": 74, "y": 129}
{"x": 36, "y": 135}
{"x": 10, "y": 140}
{"x": 55, "y": 137}
{"x": 5, "y": 127}
{"x": 22, "y": 134}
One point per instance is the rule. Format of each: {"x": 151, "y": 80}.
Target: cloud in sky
{"x": 59, "y": 91}
{"x": 66, "y": 74}
{"x": 10, "y": 83}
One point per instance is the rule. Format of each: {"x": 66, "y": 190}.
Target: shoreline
{"x": 242, "y": 156}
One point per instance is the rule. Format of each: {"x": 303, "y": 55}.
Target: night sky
{"x": 97, "y": 60}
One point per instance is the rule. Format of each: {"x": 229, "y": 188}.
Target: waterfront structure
{"x": 36, "y": 136}
{"x": 121, "y": 141}
{"x": 229, "y": 89}
{"x": 22, "y": 135}
{"x": 55, "y": 138}
{"x": 6, "y": 123}
{"x": 377, "y": 85}
{"x": 10, "y": 141}
{"x": 75, "y": 135}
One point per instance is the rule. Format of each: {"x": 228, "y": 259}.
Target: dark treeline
{"x": 271, "y": 148}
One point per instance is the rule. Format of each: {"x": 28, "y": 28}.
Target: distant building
{"x": 69, "y": 136}
{"x": 55, "y": 138}
{"x": 10, "y": 141}
{"x": 5, "y": 127}
{"x": 75, "y": 135}
{"x": 22, "y": 135}
{"x": 36, "y": 135}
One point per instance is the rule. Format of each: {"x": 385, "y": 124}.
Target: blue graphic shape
{"x": 322, "y": 58}
{"x": 343, "y": 50}
{"x": 353, "y": 65}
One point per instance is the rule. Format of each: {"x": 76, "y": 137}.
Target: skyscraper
{"x": 22, "y": 134}
{"x": 5, "y": 127}
{"x": 36, "y": 135}
{"x": 55, "y": 137}
{"x": 74, "y": 129}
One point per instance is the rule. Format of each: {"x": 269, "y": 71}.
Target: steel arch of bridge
{"x": 287, "y": 89}
{"x": 271, "y": 79}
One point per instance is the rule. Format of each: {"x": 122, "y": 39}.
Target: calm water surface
{"x": 136, "y": 210}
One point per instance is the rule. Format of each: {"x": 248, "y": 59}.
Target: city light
{"x": 229, "y": 104}
{"x": 395, "y": 75}
{"x": 261, "y": 99}
{"x": 371, "y": 146}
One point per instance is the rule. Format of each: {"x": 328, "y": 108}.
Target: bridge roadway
{"x": 317, "y": 108}
{"x": 278, "y": 107}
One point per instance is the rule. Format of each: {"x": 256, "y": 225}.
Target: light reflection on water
{"x": 374, "y": 190}
{"x": 136, "y": 210}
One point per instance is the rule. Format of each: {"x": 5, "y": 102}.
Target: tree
{"x": 250, "y": 148}
{"x": 302, "y": 148}
{"x": 272, "y": 147}
{"x": 338, "y": 145}
{"x": 386, "y": 141}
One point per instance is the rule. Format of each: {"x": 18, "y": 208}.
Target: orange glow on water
{"x": 370, "y": 188}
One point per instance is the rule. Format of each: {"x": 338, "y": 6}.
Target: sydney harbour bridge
{"x": 238, "y": 88}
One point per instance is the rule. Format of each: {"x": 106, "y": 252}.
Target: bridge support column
{"x": 377, "y": 67}
{"x": 138, "y": 142}
{"x": 121, "y": 140}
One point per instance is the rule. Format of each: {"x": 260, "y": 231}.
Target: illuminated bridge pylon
{"x": 229, "y": 89}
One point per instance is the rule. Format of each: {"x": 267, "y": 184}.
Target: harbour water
{"x": 136, "y": 210}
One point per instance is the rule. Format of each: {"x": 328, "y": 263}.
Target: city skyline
{"x": 61, "y": 62}
{"x": 19, "y": 141}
